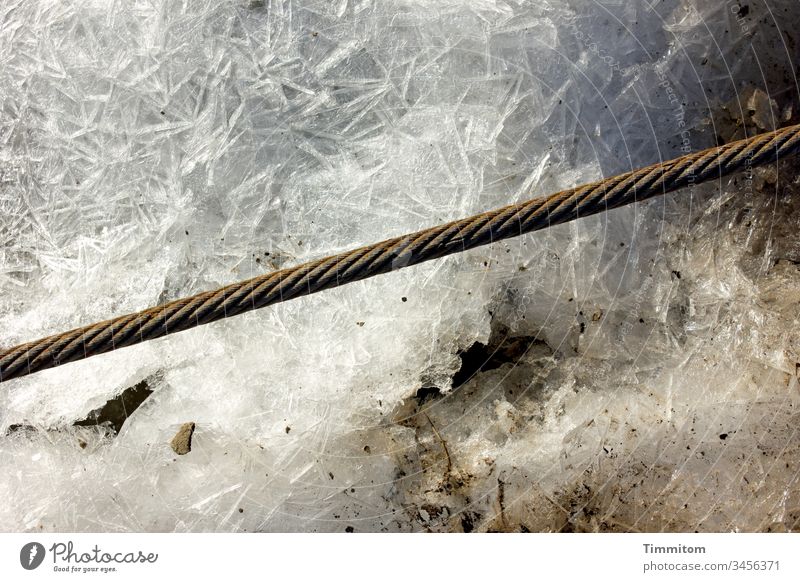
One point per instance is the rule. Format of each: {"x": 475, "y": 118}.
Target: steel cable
{"x": 396, "y": 253}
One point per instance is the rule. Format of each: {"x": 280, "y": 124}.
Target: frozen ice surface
{"x": 639, "y": 370}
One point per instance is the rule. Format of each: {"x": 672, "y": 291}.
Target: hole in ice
{"x": 117, "y": 410}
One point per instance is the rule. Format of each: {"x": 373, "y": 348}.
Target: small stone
{"x": 182, "y": 441}
{"x": 763, "y": 110}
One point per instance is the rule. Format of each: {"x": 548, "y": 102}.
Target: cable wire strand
{"x": 397, "y": 253}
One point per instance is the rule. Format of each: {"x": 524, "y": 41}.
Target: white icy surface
{"x": 151, "y": 150}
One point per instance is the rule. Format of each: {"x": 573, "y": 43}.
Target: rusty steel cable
{"x": 396, "y": 253}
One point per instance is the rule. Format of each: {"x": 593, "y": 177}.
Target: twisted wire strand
{"x": 396, "y": 253}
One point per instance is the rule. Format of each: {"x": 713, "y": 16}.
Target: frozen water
{"x": 640, "y": 368}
